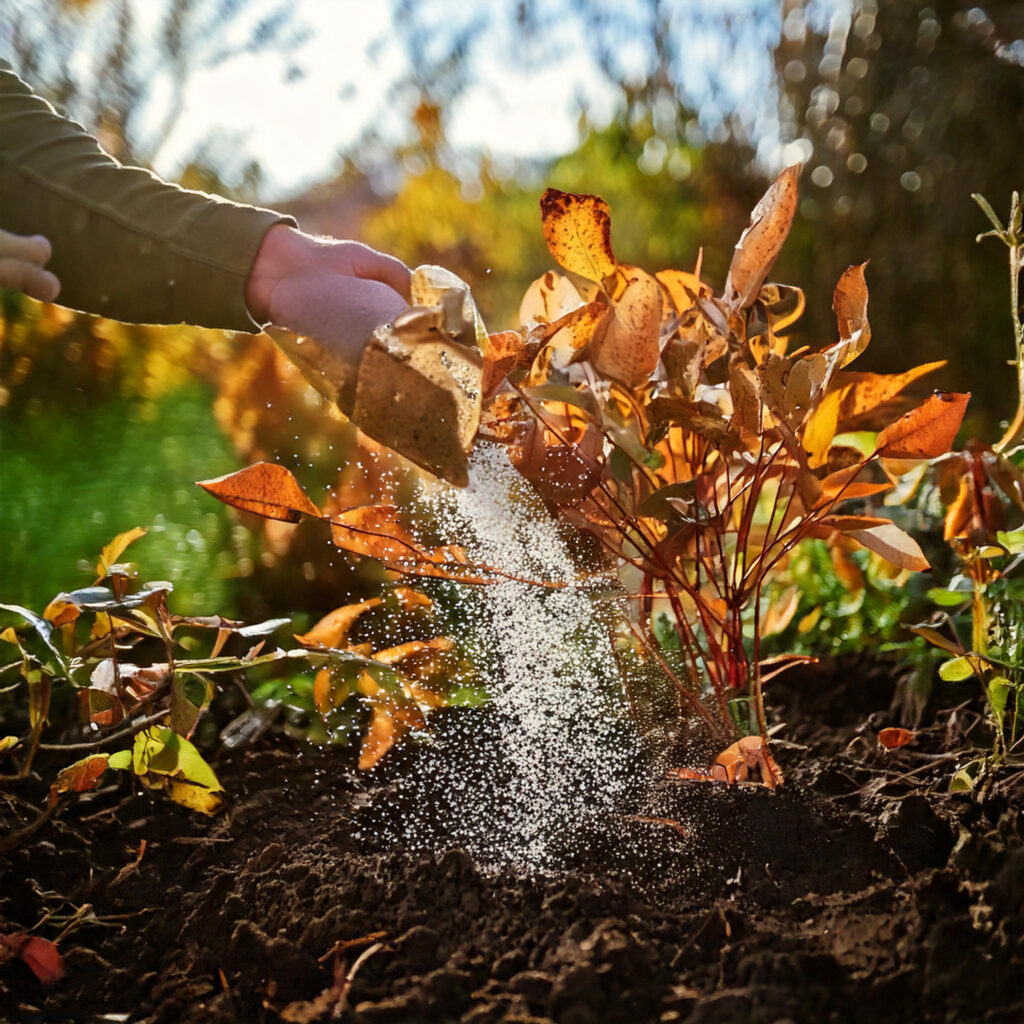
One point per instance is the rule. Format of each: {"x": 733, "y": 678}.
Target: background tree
{"x": 904, "y": 110}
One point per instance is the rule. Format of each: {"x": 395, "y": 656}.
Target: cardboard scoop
{"x": 418, "y": 386}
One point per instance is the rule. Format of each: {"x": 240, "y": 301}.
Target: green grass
{"x": 70, "y": 481}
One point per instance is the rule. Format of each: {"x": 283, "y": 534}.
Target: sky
{"x": 296, "y": 128}
{"x": 293, "y": 112}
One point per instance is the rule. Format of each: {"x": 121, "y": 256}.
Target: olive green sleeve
{"x": 126, "y": 245}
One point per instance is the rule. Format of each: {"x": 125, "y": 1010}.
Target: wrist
{"x": 280, "y": 252}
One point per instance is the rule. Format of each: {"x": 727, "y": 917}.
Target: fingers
{"x": 378, "y": 266}
{"x": 22, "y": 258}
{"x": 28, "y": 277}
{"x": 31, "y": 248}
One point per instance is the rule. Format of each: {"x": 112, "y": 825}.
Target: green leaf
{"x": 946, "y": 598}
{"x": 988, "y": 211}
{"x": 161, "y": 751}
{"x": 1012, "y": 540}
{"x": 956, "y": 669}
{"x": 620, "y": 465}
{"x": 122, "y": 760}
{"x": 967, "y": 777}
{"x": 43, "y": 628}
{"x": 584, "y": 399}
{"x": 998, "y": 690}
{"x": 656, "y": 505}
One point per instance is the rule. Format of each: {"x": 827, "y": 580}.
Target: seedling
{"x": 976, "y": 486}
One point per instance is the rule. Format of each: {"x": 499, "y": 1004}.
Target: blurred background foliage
{"x": 898, "y": 110}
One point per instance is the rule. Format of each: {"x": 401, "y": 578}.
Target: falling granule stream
{"x": 523, "y": 782}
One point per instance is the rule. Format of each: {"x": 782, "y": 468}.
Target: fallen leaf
{"x": 41, "y": 955}
{"x": 578, "y": 233}
{"x": 892, "y": 738}
{"x": 762, "y": 240}
{"x": 266, "y": 489}
{"x": 927, "y": 431}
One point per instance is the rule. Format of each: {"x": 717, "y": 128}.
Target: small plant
{"x": 986, "y": 596}
{"x": 672, "y": 426}
{"x": 115, "y": 658}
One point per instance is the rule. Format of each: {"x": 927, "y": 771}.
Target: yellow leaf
{"x": 549, "y": 298}
{"x": 113, "y": 551}
{"x": 821, "y": 429}
{"x": 578, "y": 233}
{"x": 194, "y": 797}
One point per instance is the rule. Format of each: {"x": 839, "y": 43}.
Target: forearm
{"x": 125, "y": 244}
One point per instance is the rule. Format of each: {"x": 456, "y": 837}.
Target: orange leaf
{"x": 266, "y": 489}
{"x": 376, "y": 532}
{"x": 845, "y": 524}
{"x": 927, "y": 431}
{"x": 505, "y": 351}
{"x": 562, "y": 473}
{"x": 626, "y": 343}
{"x": 762, "y": 240}
{"x": 79, "y": 777}
{"x": 893, "y": 545}
{"x": 578, "y": 233}
{"x": 892, "y": 738}
{"x": 867, "y": 394}
{"x": 333, "y": 628}
{"x": 390, "y": 722}
{"x": 850, "y": 304}
{"x": 40, "y": 954}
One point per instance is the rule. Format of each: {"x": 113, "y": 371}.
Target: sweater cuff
{"x": 212, "y": 287}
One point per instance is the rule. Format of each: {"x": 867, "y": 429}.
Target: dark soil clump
{"x": 860, "y": 891}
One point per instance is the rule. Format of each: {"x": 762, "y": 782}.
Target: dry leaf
{"x": 578, "y": 233}
{"x": 893, "y": 545}
{"x": 505, "y": 351}
{"x": 927, "y": 431}
{"x": 41, "y": 955}
{"x": 79, "y": 777}
{"x": 265, "y": 488}
{"x": 762, "y": 240}
{"x": 868, "y": 396}
{"x": 892, "y": 738}
{"x": 550, "y": 297}
{"x": 626, "y": 343}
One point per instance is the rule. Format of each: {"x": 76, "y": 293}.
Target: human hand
{"x": 336, "y": 292}
{"x": 22, "y": 258}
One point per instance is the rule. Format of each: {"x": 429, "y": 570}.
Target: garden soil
{"x": 861, "y": 890}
